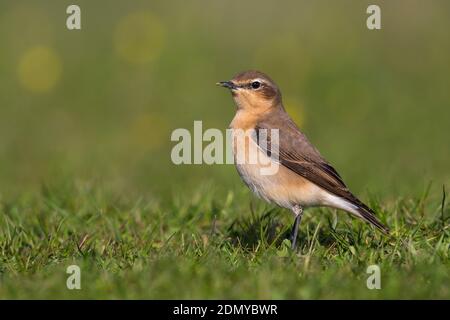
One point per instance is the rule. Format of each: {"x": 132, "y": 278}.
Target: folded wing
{"x": 296, "y": 153}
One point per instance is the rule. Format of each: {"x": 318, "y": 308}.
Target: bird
{"x": 304, "y": 178}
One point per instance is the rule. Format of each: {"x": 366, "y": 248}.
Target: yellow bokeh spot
{"x": 295, "y": 109}
{"x": 39, "y": 69}
{"x": 147, "y": 131}
{"x": 139, "y": 37}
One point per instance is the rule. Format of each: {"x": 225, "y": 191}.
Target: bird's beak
{"x": 227, "y": 84}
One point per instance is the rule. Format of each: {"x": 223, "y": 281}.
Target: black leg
{"x": 298, "y": 211}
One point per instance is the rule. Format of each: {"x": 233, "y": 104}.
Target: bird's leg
{"x": 298, "y": 212}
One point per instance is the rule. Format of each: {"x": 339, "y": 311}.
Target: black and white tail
{"x": 367, "y": 214}
{"x": 354, "y": 206}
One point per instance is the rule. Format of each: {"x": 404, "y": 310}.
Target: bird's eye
{"x": 256, "y": 84}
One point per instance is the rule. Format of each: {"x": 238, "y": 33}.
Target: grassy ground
{"x": 211, "y": 245}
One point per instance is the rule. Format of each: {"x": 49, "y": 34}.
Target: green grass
{"x": 215, "y": 245}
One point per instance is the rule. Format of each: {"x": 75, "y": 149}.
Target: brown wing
{"x": 297, "y": 154}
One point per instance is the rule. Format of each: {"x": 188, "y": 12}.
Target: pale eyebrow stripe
{"x": 249, "y": 84}
{"x": 259, "y": 79}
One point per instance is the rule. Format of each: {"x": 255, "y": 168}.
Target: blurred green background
{"x": 100, "y": 104}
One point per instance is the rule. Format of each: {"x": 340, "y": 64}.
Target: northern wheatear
{"x": 304, "y": 178}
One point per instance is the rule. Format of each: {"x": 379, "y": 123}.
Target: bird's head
{"x": 253, "y": 91}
